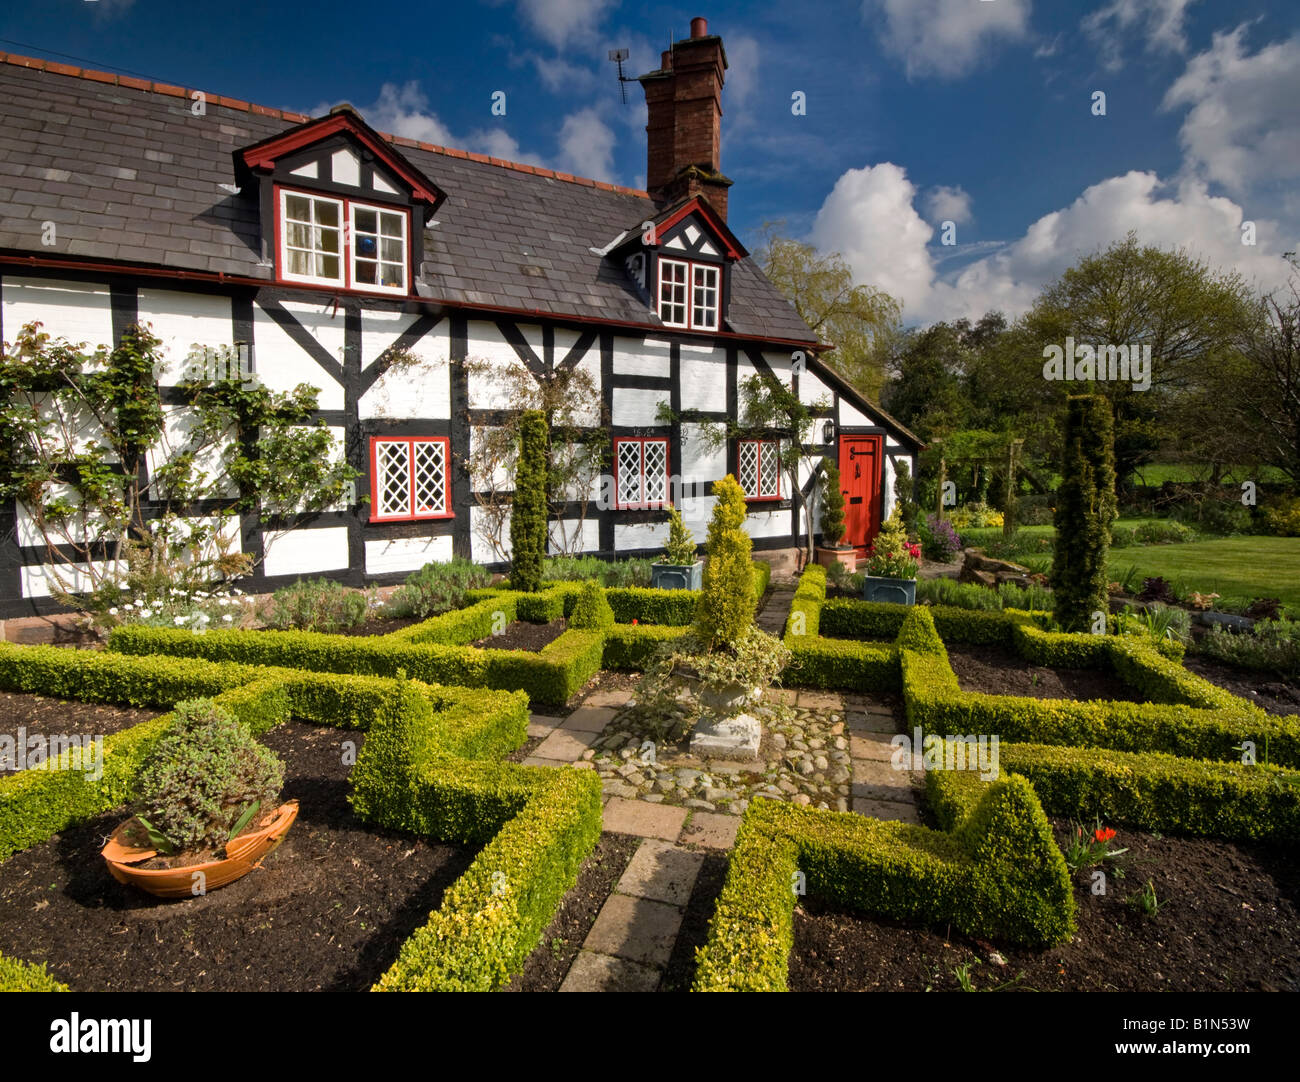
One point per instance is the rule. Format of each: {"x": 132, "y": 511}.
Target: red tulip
{"x": 1104, "y": 834}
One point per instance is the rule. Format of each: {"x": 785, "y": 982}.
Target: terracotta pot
{"x": 243, "y": 854}
{"x": 840, "y": 554}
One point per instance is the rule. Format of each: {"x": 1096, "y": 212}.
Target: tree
{"x": 138, "y": 497}
{"x": 1085, "y": 511}
{"x": 832, "y": 504}
{"x": 726, "y": 606}
{"x": 528, "y": 512}
{"x": 857, "y": 319}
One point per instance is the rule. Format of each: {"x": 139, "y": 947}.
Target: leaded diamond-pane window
{"x": 758, "y": 468}
{"x": 410, "y": 478}
{"x": 641, "y": 467}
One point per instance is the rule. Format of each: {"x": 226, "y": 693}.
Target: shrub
{"x": 904, "y": 496}
{"x": 618, "y": 573}
{"x": 727, "y": 601}
{"x": 939, "y": 540}
{"x": 832, "y": 505}
{"x": 19, "y": 976}
{"x": 1284, "y": 520}
{"x": 1085, "y": 512}
{"x": 528, "y": 511}
{"x": 203, "y": 776}
{"x": 316, "y": 605}
{"x": 592, "y": 609}
{"x": 1157, "y": 589}
{"x": 966, "y": 595}
{"x": 1272, "y": 646}
{"x": 977, "y": 516}
{"x": 891, "y": 555}
{"x": 680, "y": 550}
{"x": 437, "y": 588}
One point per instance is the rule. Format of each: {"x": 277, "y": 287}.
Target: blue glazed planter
{"x": 677, "y": 576}
{"x": 894, "y": 591}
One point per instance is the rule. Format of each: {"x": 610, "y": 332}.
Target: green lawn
{"x": 1245, "y": 567}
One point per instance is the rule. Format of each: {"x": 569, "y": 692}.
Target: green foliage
{"x": 19, "y": 976}
{"x": 904, "y": 496}
{"x": 592, "y": 610}
{"x": 528, "y": 514}
{"x": 727, "y": 601}
{"x": 890, "y": 554}
{"x": 621, "y": 573}
{"x": 1284, "y": 519}
{"x": 317, "y": 605}
{"x": 832, "y": 504}
{"x": 680, "y": 549}
{"x": 436, "y": 588}
{"x": 202, "y": 775}
{"x": 1085, "y": 512}
{"x": 1271, "y": 646}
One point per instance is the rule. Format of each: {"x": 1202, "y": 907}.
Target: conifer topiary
{"x": 528, "y": 511}
{"x": 832, "y": 505}
{"x": 1085, "y": 511}
{"x": 592, "y": 608}
{"x": 680, "y": 549}
{"x": 726, "y": 606}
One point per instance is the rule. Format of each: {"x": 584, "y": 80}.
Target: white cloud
{"x": 742, "y": 68}
{"x": 944, "y": 203}
{"x": 1159, "y": 22}
{"x": 870, "y": 218}
{"x": 587, "y": 146}
{"x": 1243, "y": 128}
{"x": 946, "y": 38}
{"x": 562, "y": 21}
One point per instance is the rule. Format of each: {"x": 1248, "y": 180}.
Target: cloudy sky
{"x": 981, "y": 113}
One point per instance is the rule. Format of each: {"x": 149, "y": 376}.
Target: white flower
{"x": 112, "y": 612}
{"x": 178, "y": 620}
{"x": 227, "y": 618}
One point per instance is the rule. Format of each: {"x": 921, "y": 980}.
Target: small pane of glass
{"x": 365, "y": 273}
{"x": 327, "y": 266}
{"x": 327, "y": 240}
{"x": 366, "y": 220}
{"x": 299, "y": 262}
{"x": 327, "y": 213}
{"x": 392, "y": 224}
{"x": 298, "y": 207}
{"x": 393, "y": 275}
{"x": 392, "y": 250}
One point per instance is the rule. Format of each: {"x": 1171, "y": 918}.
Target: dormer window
{"x": 342, "y": 242}
{"x": 688, "y": 294}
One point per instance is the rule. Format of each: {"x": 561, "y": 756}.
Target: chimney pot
{"x": 699, "y": 27}
{"x": 666, "y": 60}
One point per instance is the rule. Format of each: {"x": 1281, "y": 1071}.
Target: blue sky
{"x": 977, "y": 112}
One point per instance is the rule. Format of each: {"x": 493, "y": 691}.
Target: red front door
{"x": 860, "y": 476}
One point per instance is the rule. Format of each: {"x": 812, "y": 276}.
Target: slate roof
{"x": 129, "y": 175}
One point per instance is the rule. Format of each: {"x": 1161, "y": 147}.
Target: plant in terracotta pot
{"x": 679, "y": 569}
{"x": 724, "y": 663}
{"x": 891, "y": 565}
{"x": 208, "y": 807}
{"x": 832, "y": 550}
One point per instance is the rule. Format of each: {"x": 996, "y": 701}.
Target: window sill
{"x": 379, "y": 521}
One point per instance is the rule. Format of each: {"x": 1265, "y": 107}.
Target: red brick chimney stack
{"x": 683, "y": 132}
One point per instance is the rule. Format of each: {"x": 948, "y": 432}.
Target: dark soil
{"x": 550, "y": 961}
{"x": 680, "y": 971}
{"x": 1229, "y": 920}
{"x": 1263, "y": 689}
{"x": 521, "y": 635}
{"x": 525, "y": 749}
{"x": 1003, "y": 672}
{"x": 40, "y": 715}
{"x": 329, "y": 910}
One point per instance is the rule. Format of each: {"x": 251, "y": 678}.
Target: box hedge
{"x": 19, "y": 976}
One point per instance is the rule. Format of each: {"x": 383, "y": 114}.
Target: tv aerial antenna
{"x": 618, "y": 56}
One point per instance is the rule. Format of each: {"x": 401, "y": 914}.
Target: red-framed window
{"x": 758, "y": 468}
{"x": 410, "y": 478}
{"x": 640, "y": 472}
{"x": 332, "y": 240}
{"x": 689, "y": 294}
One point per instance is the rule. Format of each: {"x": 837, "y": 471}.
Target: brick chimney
{"x": 684, "y": 99}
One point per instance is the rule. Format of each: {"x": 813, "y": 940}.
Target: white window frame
{"x": 764, "y": 447}
{"x": 695, "y": 278}
{"x": 285, "y": 272}
{"x": 642, "y": 503}
{"x": 697, "y": 271}
{"x": 347, "y": 278}
{"x": 409, "y": 512}
{"x": 686, "y": 292}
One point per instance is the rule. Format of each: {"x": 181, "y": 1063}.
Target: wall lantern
{"x": 828, "y": 432}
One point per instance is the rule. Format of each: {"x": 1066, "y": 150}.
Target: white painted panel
{"x": 574, "y": 536}
{"x": 303, "y": 552}
{"x": 768, "y": 524}
{"x": 635, "y": 408}
{"x": 487, "y": 390}
{"x": 851, "y": 415}
{"x": 75, "y": 311}
{"x": 422, "y": 391}
{"x": 708, "y": 248}
{"x": 640, "y": 535}
{"x": 676, "y": 244}
{"x": 345, "y": 168}
{"x": 590, "y": 413}
{"x": 704, "y": 379}
{"x": 381, "y": 185}
{"x": 37, "y": 582}
{"x": 889, "y": 486}
{"x": 782, "y": 367}
{"x": 812, "y": 389}
{"x": 178, "y": 424}
{"x": 481, "y": 549}
{"x": 649, "y": 358}
{"x": 183, "y": 321}
{"x": 406, "y": 553}
{"x": 282, "y": 364}
{"x": 699, "y": 461}
{"x": 696, "y": 512}
{"x": 311, "y": 169}
{"x": 692, "y": 233}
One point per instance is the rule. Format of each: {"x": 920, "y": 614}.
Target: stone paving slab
{"x": 887, "y": 809}
{"x": 608, "y": 697}
{"x": 636, "y": 929}
{"x": 711, "y": 830}
{"x": 593, "y": 972}
{"x": 541, "y": 725}
{"x": 789, "y": 696}
{"x": 644, "y": 820}
{"x": 874, "y": 746}
{"x": 821, "y": 700}
{"x": 539, "y": 760}
{"x": 880, "y": 781}
{"x": 590, "y": 719}
{"x": 661, "y": 872}
{"x": 565, "y": 744}
{"x": 872, "y": 723}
